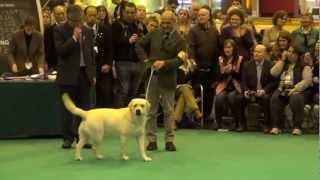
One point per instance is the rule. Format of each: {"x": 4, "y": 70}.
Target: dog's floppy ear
{"x": 130, "y": 105}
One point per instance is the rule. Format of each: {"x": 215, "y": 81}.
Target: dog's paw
{"x": 146, "y": 159}
{"x": 78, "y": 158}
{"x": 99, "y": 157}
{"x": 124, "y": 157}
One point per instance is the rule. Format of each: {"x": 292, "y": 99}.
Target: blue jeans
{"x": 129, "y": 75}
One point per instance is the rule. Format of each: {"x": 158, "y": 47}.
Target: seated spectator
{"x": 258, "y": 84}
{"x": 294, "y": 89}
{"x": 185, "y": 93}
{"x": 305, "y": 36}
{"x": 228, "y": 89}
{"x": 271, "y": 35}
{"x": 26, "y": 50}
{"x": 281, "y": 45}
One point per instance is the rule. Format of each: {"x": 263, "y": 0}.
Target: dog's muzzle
{"x": 138, "y": 112}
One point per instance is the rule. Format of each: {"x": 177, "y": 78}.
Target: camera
{"x": 251, "y": 96}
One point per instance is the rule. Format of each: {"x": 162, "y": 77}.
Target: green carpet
{"x": 201, "y": 154}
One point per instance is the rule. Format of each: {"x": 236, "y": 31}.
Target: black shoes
{"x": 152, "y": 146}
{"x": 87, "y": 146}
{"x": 170, "y": 146}
{"x": 66, "y": 144}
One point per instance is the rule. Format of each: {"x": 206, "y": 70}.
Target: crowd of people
{"x": 169, "y": 54}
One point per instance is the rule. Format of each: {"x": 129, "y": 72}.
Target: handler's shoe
{"x": 170, "y": 146}
{"x": 152, "y": 146}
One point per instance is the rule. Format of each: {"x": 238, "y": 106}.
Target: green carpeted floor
{"x": 201, "y": 154}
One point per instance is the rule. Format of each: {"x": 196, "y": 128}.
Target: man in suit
{"x": 26, "y": 50}
{"x": 103, "y": 56}
{"x": 258, "y": 84}
{"x": 59, "y": 12}
{"x": 163, "y": 44}
{"x": 76, "y": 67}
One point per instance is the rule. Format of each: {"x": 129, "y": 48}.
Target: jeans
{"x": 129, "y": 75}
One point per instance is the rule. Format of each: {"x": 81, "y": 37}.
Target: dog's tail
{"x": 68, "y": 103}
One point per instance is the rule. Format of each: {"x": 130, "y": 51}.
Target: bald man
{"x": 59, "y": 13}
{"x": 204, "y": 49}
{"x": 163, "y": 44}
{"x": 258, "y": 84}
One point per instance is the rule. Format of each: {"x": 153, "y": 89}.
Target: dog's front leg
{"x": 140, "y": 140}
{"x": 124, "y": 140}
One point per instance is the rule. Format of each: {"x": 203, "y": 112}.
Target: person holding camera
{"x": 129, "y": 68}
{"x": 294, "y": 88}
{"x": 258, "y": 84}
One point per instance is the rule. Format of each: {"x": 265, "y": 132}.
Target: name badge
{"x": 96, "y": 49}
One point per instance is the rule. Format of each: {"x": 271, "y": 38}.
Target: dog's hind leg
{"x": 80, "y": 144}
{"x": 123, "y": 141}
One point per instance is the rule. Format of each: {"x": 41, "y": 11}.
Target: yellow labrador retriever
{"x": 99, "y": 122}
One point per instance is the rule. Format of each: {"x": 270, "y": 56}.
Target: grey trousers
{"x": 165, "y": 97}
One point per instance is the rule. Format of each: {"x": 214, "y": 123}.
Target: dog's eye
{"x": 142, "y": 106}
{"x": 135, "y": 106}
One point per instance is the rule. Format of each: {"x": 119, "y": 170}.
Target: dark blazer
{"x": 49, "y": 47}
{"x": 249, "y": 77}
{"x": 18, "y": 52}
{"x": 121, "y": 32}
{"x": 68, "y": 51}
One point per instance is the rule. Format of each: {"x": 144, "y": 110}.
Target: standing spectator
{"x": 141, "y": 13}
{"x": 239, "y": 33}
{"x": 164, "y": 44}
{"x": 152, "y": 23}
{"x": 59, "y": 13}
{"x": 76, "y": 68}
{"x": 236, "y": 4}
{"x": 170, "y": 6}
{"x": 129, "y": 68}
{"x": 294, "y": 89}
{"x": 117, "y": 13}
{"x": 46, "y": 16}
{"x": 258, "y": 84}
{"x": 305, "y": 36}
{"x": 203, "y": 49}
{"x": 271, "y": 35}
{"x": 194, "y": 10}
{"x": 103, "y": 16}
{"x": 228, "y": 90}
{"x": 103, "y": 57}
{"x": 183, "y": 22}
{"x": 26, "y": 50}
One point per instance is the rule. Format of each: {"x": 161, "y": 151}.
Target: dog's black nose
{"x": 138, "y": 112}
